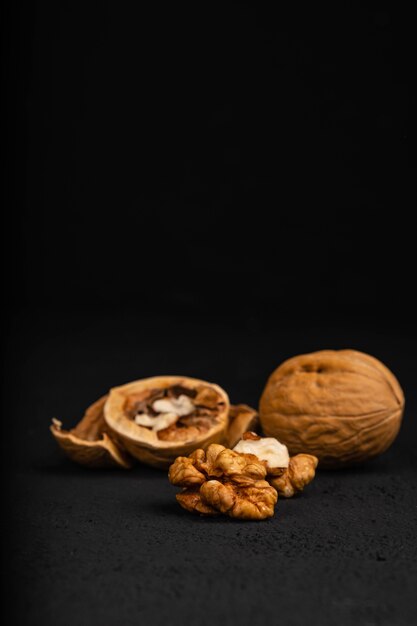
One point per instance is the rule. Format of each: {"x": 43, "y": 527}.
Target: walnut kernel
{"x": 223, "y": 481}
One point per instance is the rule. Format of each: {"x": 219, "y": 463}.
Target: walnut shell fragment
{"x": 343, "y": 407}
{"x": 242, "y": 418}
{"x": 160, "y": 418}
{"x": 88, "y": 443}
{"x": 223, "y": 481}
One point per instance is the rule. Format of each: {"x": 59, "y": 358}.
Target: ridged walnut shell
{"x": 344, "y": 406}
{"x": 88, "y": 443}
{"x": 143, "y": 443}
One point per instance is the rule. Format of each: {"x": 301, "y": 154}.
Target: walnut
{"x": 343, "y": 407}
{"x": 205, "y": 461}
{"x": 254, "y": 501}
{"x": 267, "y": 449}
{"x": 299, "y": 473}
{"x": 157, "y": 419}
{"x": 184, "y": 473}
{"x": 287, "y": 475}
{"x": 190, "y": 500}
{"x": 89, "y": 443}
{"x": 223, "y": 481}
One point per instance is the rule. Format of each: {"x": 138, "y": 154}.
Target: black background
{"x": 207, "y": 191}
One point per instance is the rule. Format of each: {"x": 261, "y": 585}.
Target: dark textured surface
{"x": 229, "y": 168}
{"x": 114, "y": 548}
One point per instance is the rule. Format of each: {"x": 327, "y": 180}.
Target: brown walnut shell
{"x": 88, "y": 443}
{"x": 343, "y": 407}
{"x": 242, "y": 418}
{"x": 143, "y": 443}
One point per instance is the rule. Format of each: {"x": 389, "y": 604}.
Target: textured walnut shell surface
{"x": 343, "y": 406}
{"x": 88, "y": 443}
{"x": 144, "y": 444}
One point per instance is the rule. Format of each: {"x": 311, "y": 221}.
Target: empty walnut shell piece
{"x": 242, "y": 418}
{"x": 343, "y": 407}
{"x": 88, "y": 443}
{"x": 141, "y": 400}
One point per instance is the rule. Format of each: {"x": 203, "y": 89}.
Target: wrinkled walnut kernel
{"x": 223, "y": 481}
{"x": 183, "y": 473}
{"x": 252, "y": 501}
{"x": 300, "y": 472}
{"x": 190, "y": 500}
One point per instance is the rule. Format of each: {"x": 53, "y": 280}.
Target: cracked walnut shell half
{"x": 341, "y": 406}
{"x": 242, "y": 418}
{"x": 88, "y": 443}
{"x": 158, "y": 419}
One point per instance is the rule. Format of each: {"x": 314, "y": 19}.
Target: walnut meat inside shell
{"x": 343, "y": 407}
{"x": 158, "y": 419}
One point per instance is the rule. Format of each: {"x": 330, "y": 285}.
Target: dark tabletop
{"x": 113, "y": 547}
{"x": 203, "y": 191}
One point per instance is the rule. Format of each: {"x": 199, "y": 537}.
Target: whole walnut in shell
{"x": 343, "y": 407}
